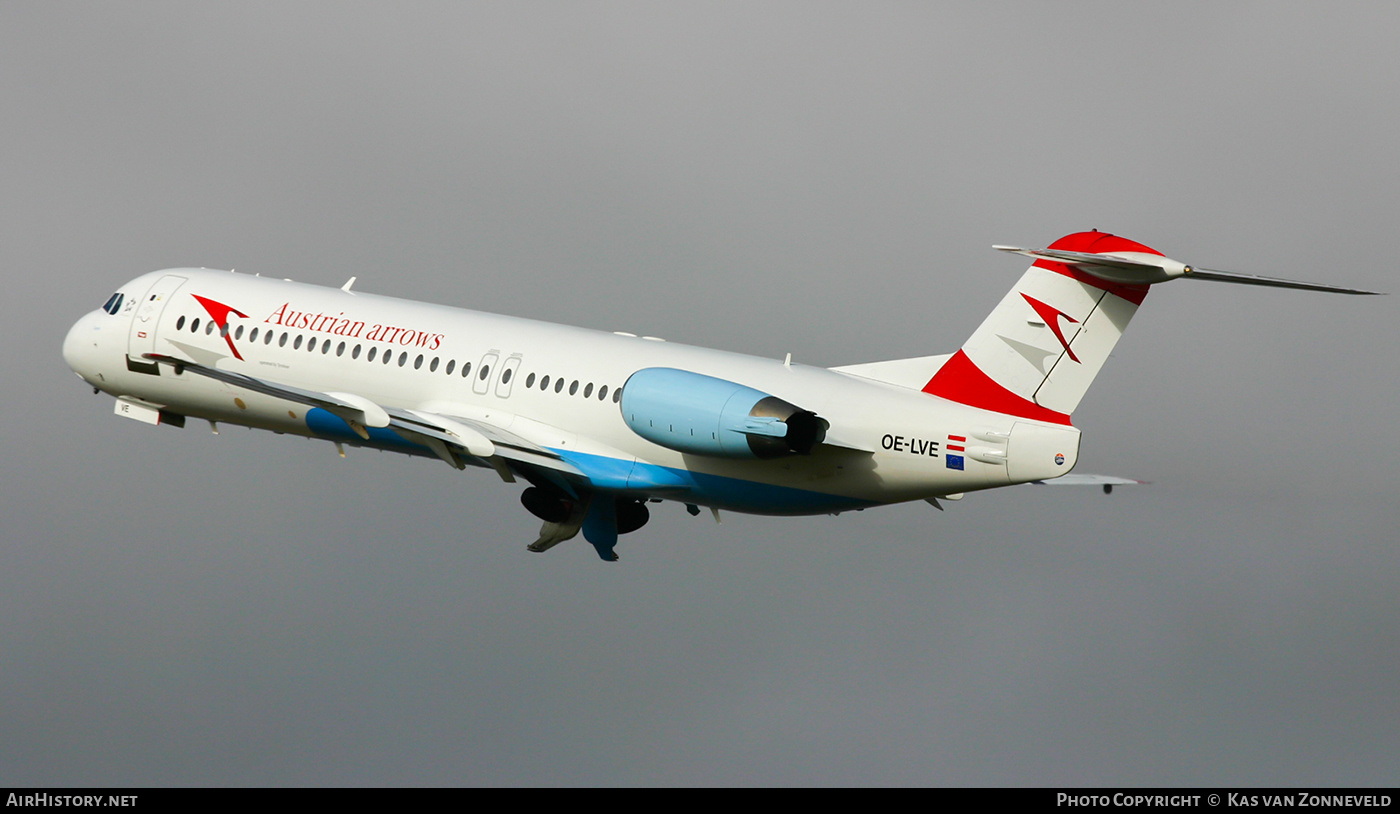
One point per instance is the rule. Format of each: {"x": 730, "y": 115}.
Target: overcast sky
{"x": 178, "y": 607}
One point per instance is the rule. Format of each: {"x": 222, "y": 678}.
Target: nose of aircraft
{"x": 82, "y": 345}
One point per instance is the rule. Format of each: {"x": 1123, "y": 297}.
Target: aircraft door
{"x": 145, "y": 321}
{"x": 481, "y": 385}
{"x": 508, "y": 369}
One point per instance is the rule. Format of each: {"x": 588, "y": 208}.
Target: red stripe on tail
{"x": 1098, "y": 243}
{"x": 962, "y": 381}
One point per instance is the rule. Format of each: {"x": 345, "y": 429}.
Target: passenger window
{"x": 588, "y": 390}
{"x": 484, "y": 372}
{"x": 530, "y": 380}
{"x": 617, "y": 395}
{"x": 603, "y": 393}
{"x": 559, "y": 385}
{"x": 388, "y": 355}
{"x": 223, "y": 330}
{"x": 325, "y": 346}
{"x": 340, "y": 349}
{"x": 544, "y": 383}
{"x": 505, "y": 375}
{"x": 370, "y": 356}
{"x": 282, "y": 343}
{"x": 417, "y": 363}
{"x": 355, "y": 354}
{"x": 403, "y": 358}
{"x": 252, "y": 335}
{"x": 179, "y": 323}
{"x": 573, "y": 388}
{"x": 451, "y": 363}
{"x": 209, "y": 328}
{"x": 432, "y": 366}
{"x": 194, "y": 326}
{"x": 267, "y": 338}
{"x": 466, "y": 369}
{"x": 238, "y": 334}
{"x": 296, "y": 343}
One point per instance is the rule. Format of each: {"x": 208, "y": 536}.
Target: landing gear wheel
{"x": 631, "y": 515}
{"x": 547, "y": 507}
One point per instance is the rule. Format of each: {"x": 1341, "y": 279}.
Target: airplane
{"x": 600, "y": 424}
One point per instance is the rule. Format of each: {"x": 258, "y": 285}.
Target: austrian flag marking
{"x": 955, "y": 444}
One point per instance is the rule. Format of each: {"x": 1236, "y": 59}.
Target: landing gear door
{"x": 147, "y": 318}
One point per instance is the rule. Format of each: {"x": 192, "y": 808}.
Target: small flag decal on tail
{"x": 955, "y": 444}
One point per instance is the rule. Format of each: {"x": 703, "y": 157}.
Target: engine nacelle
{"x": 703, "y": 415}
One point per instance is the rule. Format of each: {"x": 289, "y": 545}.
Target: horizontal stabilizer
{"x": 1131, "y": 267}
{"x": 1075, "y": 479}
{"x": 1143, "y": 268}
{"x": 1276, "y": 282}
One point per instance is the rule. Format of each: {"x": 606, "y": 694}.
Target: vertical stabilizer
{"x": 1039, "y": 350}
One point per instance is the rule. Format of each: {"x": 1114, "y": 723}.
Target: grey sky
{"x": 183, "y": 608}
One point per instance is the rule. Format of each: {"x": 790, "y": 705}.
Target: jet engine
{"x": 689, "y": 412}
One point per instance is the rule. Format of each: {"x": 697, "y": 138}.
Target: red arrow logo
{"x": 1051, "y": 316}
{"x": 219, "y": 313}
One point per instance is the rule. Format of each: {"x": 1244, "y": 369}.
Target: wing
{"x": 454, "y": 439}
{"x": 590, "y": 482}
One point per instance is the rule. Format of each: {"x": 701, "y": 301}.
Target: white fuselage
{"x": 886, "y": 443}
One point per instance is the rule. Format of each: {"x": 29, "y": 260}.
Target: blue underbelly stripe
{"x": 616, "y": 475}
{"x": 611, "y": 474}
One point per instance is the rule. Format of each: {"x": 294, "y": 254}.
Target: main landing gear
{"x": 600, "y": 516}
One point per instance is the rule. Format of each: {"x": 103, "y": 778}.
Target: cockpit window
{"x": 114, "y": 303}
